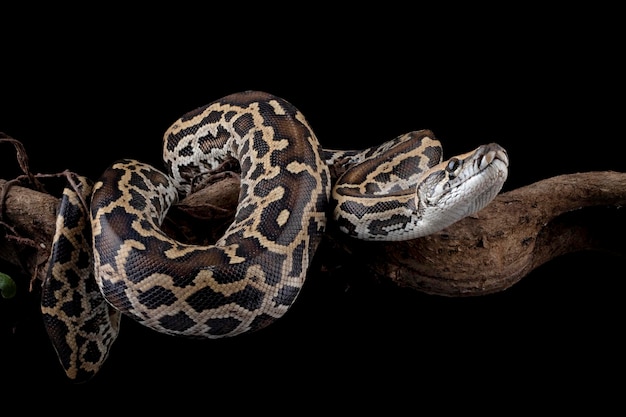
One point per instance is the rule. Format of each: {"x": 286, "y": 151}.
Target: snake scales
{"x": 110, "y": 257}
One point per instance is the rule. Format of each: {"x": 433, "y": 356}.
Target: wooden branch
{"x": 481, "y": 254}
{"x": 517, "y": 232}
{"x": 27, "y": 228}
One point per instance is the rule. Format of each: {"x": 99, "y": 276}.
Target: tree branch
{"x": 517, "y": 232}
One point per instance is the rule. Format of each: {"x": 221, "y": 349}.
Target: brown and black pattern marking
{"x": 81, "y": 325}
{"x": 253, "y": 274}
{"x": 393, "y": 166}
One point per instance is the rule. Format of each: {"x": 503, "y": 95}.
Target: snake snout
{"x": 490, "y": 153}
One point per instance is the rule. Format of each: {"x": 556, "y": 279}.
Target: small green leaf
{"x": 7, "y": 286}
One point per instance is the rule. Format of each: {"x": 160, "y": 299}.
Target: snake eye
{"x": 453, "y": 165}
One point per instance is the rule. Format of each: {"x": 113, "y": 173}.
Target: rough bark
{"x": 29, "y": 221}
{"x": 481, "y": 254}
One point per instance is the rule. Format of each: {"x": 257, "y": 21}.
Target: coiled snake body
{"x": 110, "y": 256}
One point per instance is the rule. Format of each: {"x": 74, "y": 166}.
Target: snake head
{"x": 462, "y": 185}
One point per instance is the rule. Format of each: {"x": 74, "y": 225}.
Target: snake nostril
{"x": 486, "y": 159}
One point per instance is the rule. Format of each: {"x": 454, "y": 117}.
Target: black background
{"x": 80, "y": 92}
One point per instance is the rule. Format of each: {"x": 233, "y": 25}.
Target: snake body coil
{"x": 254, "y": 272}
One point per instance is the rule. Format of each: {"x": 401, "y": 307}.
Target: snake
{"x": 111, "y": 258}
